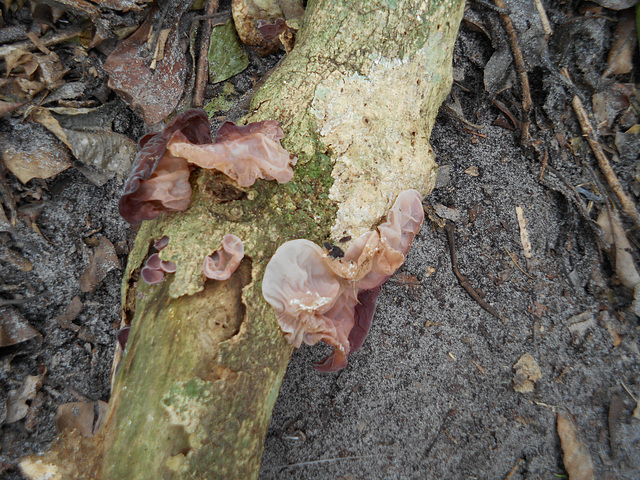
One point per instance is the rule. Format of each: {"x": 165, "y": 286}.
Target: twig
{"x": 588, "y": 132}
{"x": 491, "y": 6}
{"x": 545, "y": 159}
{"x": 513, "y": 259}
{"x": 522, "y": 72}
{"x": 514, "y": 469}
{"x": 202, "y": 74}
{"x": 546, "y": 26}
{"x": 47, "y": 41}
{"x": 326, "y": 460}
{"x": 464, "y": 281}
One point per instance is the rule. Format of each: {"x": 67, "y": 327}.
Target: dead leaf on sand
{"x": 102, "y": 260}
{"x": 17, "y": 406}
{"x": 248, "y": 15}
{"x": 620, "y": 58}
{"x": 14, "y": 328}
{"x": 527, "y": 373}
{"x": 576, "y": 456}
{"x": 151, "y": 82}
{"x": 32, "y": 152}
{"x": 80, "y": 416}
{"x": 71, "y": 312}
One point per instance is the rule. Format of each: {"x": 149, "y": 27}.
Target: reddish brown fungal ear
{"x": 320, "y": 298}
{"x": 159, "y": 181}
{"x": 221, "y": 264}
{"x": 243, "y": 153}
{"x": 155, "y": 268}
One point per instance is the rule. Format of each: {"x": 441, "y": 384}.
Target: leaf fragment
{"x": 227, "y": 56}
{"x": 31, "y": 152}
{"x": 14, "y": 328}
{"x": 17, "y": 406}
{"x": 576, "y": 456}
{"x": 527, "y": 373}
{"x": 102, "y": 260}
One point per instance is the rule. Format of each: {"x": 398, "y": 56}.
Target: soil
{"x": 431, "y": 393}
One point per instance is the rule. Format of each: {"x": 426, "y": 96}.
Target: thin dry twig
{"x": 47, "y": 41}
{"x": 628, "y": 207}
{"x": 545, "y": 160}
{"x": 202, "y": 74}
{"x": 464, "y": 281}
{"x": 522, "y": 72}
{"x": 513, "y": 259}
{"x": 546, "y": 26}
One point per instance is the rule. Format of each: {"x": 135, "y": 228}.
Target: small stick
{"x": 546, "y": 26}
{"x": 545, "y": 159}
{"x": 202, "y": 74}
{"x": 522, "y": 71}
{"x": 513, "y": 259}
{"x": 47, "y": 41}
{"x": 464, "y": 281}
{"x": 588, "y": 132}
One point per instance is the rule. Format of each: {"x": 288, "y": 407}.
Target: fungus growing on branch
{"x": 321, "y": 298}
{"x": 243, "y": 153}
{"x": 221, "y": 264}
{"x": 159, "y": 181}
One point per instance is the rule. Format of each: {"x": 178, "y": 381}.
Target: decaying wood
{"x": 357, "y": 98}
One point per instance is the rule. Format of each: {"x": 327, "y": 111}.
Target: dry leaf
{"x": 247, "y": 15}
{"x": 619, "y": 248}
{"x": 154, "y": 91}
{"x": 620, "y": 60}
{"x": 70, "y": 313}
{"x": 31, "y": 152}
{"x": 576, "y": 456}
{"x": 472, "y": 171}
{"x": 80, "y": 416}
{"x": 17, "y": 407}
{"x": 102, "y": 260}
{"x": 527, "y": 373}
{"x": 14, "y": 328}
{"x": 580, "y": 324}
{"x": 448, "y": 213}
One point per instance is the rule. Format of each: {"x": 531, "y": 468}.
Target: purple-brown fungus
{"x": 159, "y": 181}
{"x": 317, "y": 297}
{"x": 155, "y": 268}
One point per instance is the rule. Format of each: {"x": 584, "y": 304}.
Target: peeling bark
{"x": 357, "y": 98}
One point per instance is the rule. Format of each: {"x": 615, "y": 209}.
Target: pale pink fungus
{"x": 320, "y": 298}
{"x": 243, "y": 153}
{"x": 160, "y": 244}
{"x": 221, "y": 264}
